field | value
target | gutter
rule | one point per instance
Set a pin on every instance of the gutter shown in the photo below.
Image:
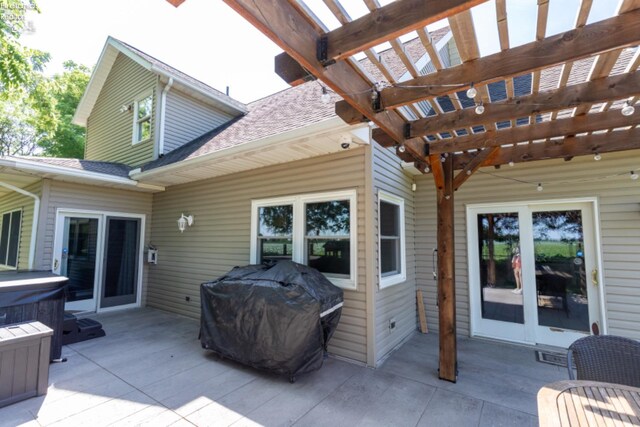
(82, 175)
(36, 217)
(163, 105)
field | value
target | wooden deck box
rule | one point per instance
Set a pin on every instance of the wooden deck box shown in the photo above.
(24, 361)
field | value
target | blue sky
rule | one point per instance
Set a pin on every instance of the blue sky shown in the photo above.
(209, 41)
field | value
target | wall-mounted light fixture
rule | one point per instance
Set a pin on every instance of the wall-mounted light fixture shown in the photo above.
(183, 221)
(126, 107)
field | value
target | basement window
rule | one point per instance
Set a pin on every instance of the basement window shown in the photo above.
(391, 232)
(10, 238)
(143, 107)
(313, 229)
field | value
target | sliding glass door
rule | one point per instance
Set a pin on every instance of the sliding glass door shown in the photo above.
(120, 283)
(101, 256)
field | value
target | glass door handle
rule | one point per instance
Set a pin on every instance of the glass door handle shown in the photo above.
(594, 277)
(55, 264)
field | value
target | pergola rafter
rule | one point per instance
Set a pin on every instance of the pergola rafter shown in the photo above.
(557, 120)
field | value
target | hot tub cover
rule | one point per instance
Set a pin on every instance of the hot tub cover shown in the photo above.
(278, 318)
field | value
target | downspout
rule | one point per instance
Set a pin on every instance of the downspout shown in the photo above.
(36, 217)
(163, 104)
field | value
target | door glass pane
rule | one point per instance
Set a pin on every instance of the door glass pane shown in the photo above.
(561, 281)
(500, 267)
(79, 257)
(121, 262)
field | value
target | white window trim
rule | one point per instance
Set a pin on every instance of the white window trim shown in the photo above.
(395, 279)
(297, 234)
(2, 264)
(145, 94)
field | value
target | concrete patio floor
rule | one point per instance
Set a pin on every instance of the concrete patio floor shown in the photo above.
(150, 370)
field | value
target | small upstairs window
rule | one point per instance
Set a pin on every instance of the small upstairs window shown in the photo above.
(143, 107)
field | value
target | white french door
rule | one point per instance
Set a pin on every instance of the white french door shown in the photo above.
(101, 254)
(534, 275)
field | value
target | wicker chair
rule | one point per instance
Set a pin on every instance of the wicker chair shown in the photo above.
(605, 358)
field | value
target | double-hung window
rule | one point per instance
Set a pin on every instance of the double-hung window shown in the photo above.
(392, 247)
(313, 229)
(10, 238)
(143, 107)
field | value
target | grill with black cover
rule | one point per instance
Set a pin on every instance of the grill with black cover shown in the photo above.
(278, 318)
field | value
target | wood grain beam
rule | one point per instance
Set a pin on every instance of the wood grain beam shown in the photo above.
(286, 25)
(559, 149)
(600, 90)
(291, 71)
(448, 359)
(613, 33)
(551, 129)
(388, 22)
(486, 155)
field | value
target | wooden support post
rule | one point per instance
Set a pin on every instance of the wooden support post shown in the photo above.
(446, 276)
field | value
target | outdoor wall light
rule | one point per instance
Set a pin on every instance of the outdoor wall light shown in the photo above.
(125, 108)
(183, 221)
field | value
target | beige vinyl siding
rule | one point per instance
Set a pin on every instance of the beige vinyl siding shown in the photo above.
(220, 236)
(619, 224)
(109, 131)
(187, 118)
(397, 301)
(16, 201)
(63, 195)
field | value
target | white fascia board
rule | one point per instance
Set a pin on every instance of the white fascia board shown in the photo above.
(94, 177)
(334, 123)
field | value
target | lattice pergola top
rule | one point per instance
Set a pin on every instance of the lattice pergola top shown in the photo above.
(556, 96)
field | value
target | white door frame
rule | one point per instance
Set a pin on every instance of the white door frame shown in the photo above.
(527, 333)
(101, 215)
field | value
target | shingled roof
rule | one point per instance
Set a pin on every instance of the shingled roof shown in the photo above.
(287, 110)
(107, 168)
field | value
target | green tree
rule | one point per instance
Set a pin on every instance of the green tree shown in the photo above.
(67, 89)
(15, 60)
(27, 111)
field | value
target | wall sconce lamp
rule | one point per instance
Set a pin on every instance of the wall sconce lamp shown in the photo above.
(126, 107)
(183, 221)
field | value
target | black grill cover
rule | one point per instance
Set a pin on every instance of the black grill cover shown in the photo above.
(278, 318)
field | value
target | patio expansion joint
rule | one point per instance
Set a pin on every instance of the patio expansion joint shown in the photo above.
(78, 352)
(322, 400)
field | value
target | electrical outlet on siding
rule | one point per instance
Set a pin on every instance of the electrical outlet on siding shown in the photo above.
(392, 324)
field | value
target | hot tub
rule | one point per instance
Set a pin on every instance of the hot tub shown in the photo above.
(34, 295)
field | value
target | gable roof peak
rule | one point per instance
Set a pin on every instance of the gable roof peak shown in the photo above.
(113, 47)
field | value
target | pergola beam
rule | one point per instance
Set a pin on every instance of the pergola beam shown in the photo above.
(290, 70)
(559, 149)
(613, 33)
(551, 129)
(600, 90)
(388, 22)
(285, 24)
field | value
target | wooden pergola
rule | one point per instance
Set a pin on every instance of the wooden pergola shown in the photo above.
(570, 120)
